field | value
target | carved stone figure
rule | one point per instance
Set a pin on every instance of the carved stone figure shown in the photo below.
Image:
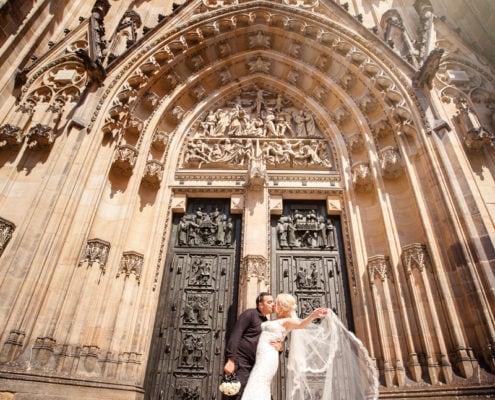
(203, 228)
(229, 228)
(255, 119)
(305, 230)
(330, 234)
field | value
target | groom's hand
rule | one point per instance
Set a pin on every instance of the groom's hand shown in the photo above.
(229, 367)
(277, 345)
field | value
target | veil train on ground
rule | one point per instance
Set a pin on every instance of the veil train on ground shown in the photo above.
(328, 362)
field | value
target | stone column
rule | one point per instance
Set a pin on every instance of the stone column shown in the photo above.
(255, 271)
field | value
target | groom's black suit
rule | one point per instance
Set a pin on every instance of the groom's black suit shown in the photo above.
(242, 344)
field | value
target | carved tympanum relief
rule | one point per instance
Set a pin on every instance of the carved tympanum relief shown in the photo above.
(257, 124)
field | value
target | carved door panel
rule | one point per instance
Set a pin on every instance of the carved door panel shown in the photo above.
(200, 280)
(308, 261)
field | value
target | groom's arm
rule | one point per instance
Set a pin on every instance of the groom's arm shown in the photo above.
(234, 341)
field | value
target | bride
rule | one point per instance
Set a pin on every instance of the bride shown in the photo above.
(313, 354)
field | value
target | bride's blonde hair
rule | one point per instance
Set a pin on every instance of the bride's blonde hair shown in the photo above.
(286, 302)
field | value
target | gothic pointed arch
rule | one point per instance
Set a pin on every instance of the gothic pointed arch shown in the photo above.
(250, 109)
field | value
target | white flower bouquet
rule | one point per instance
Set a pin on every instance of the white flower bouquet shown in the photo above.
(230, 386)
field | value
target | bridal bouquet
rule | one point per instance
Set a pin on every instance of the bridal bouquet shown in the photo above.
(230, 385)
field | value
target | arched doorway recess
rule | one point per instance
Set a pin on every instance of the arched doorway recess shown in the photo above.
(366, 113)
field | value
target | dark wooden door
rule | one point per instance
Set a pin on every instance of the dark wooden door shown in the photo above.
(308, 261)
(197, 304)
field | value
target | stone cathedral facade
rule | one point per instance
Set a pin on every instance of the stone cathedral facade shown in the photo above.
(160, 164)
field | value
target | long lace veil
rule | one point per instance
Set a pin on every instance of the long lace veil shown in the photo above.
(327, 362)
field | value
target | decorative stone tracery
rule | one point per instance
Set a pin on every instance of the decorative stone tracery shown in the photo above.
(131, 263)
(255, 267)
(379, 267)
(96, 251)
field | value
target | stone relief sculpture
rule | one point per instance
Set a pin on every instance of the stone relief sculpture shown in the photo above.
(306, 230)
(205, 229)
(257, 123)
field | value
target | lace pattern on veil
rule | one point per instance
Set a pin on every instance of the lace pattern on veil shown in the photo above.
(326, 361)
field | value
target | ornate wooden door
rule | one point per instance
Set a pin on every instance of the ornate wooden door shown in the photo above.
(197, 303)
(308, 261)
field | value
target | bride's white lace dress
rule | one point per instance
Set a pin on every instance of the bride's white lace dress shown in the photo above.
(326, 362)
(267, 359)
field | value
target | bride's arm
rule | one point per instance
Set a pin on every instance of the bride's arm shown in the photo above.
(292, 323)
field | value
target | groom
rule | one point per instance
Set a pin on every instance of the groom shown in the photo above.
(241, 347)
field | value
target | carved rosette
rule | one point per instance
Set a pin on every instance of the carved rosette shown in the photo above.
(6, 230)
(414, 256)
(259, 64)
(361, 177)
(40, 136)
(391, 163)
(255, 267)
(153, 173)
(379, 268)
(131, 263)
(96, 251)
(125, 159)
(10, 135)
